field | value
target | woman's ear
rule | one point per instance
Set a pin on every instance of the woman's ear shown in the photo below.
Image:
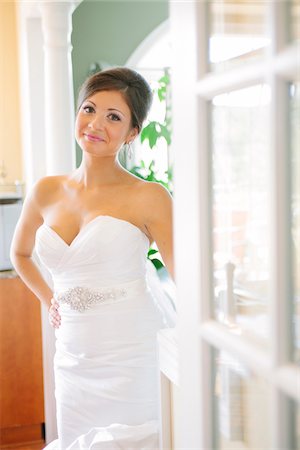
(133, 134)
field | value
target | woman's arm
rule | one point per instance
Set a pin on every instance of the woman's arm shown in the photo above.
(158, 207)
(23, 244)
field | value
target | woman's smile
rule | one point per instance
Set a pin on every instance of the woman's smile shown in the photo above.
(93, 138)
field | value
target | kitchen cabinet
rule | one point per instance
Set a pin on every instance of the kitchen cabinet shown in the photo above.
(21, 366)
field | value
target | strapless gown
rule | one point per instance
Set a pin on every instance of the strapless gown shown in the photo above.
(106, 359)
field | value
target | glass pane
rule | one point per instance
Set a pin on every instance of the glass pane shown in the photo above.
(240, 202)
(294, 93)
(238, 32)
(241, 405)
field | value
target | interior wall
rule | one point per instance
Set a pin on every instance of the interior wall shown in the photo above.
(10, 127)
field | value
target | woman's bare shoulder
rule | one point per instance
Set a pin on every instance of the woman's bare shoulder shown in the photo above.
(50, 181)
(149, 186)
(155, 191)
(153, 196)
(44, 188)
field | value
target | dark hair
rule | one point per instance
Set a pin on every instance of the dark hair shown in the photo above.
(134, 88)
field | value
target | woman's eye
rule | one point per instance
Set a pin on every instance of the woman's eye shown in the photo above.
(114, 117)
(88, 109)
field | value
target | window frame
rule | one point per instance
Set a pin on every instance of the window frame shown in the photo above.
(199, 332)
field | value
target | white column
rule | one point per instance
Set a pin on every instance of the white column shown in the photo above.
(59, 100)
(47, 108)
(56, 20)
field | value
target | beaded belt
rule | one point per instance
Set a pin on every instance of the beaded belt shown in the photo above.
(83, 298)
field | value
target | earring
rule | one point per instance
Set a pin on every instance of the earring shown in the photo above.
(129, 150)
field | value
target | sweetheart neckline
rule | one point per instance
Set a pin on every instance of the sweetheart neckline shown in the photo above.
(90, 222)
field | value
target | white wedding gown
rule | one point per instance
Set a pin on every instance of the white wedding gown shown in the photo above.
(106, 363)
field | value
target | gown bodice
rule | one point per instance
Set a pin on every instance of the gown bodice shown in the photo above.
(106, 251)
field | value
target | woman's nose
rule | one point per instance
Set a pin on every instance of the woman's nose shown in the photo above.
(97, 122)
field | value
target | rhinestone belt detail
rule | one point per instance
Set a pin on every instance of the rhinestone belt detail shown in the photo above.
(82, 298)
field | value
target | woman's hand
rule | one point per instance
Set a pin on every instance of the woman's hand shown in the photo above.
(54, 316)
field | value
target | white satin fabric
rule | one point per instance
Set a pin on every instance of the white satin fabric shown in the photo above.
(106, 365)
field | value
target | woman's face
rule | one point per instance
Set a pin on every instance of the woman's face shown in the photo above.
(103, 123)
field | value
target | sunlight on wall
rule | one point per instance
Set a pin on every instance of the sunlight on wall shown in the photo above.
(10, 136)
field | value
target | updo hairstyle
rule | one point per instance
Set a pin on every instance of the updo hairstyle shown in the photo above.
(134, 88)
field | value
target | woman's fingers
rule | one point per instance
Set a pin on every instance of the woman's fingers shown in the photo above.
(54, 303)
(54, 316)
(55, 320)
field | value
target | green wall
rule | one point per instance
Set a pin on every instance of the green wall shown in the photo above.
(110, 31)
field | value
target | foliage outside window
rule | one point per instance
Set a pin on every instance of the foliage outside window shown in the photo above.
(152, 135)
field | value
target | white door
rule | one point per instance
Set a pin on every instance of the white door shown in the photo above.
(235, 97)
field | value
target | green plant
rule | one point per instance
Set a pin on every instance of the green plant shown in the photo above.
(157, 262)
(154, 131)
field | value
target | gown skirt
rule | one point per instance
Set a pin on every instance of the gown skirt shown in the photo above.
(106, 360)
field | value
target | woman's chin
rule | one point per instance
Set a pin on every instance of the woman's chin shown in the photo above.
(88, 151)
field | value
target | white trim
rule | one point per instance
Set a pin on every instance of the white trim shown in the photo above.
(278, 20)
(247, 75)
(233, 341)
(203, 168)
(252, 355)
(287, 379)
(204, 219)
(147, 43)
(282, 436)
(286, 63)
(165, 418)
(281, 303)
(168, 354)
(194, 370)
(32, 98)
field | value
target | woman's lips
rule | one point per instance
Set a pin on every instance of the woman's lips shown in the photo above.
(92, 138)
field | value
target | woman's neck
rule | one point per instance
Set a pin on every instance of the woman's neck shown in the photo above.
(94, 172)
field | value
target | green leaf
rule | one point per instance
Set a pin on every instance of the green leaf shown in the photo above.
(164, 132)
(151, 165)
(145, 132)
(152, 251)
(150, 133)
(157, 263)
(161, 92)
(164, 79)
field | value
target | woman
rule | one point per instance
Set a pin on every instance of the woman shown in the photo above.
(92, 230)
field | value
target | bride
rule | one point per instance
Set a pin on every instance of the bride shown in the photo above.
(92, 230)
